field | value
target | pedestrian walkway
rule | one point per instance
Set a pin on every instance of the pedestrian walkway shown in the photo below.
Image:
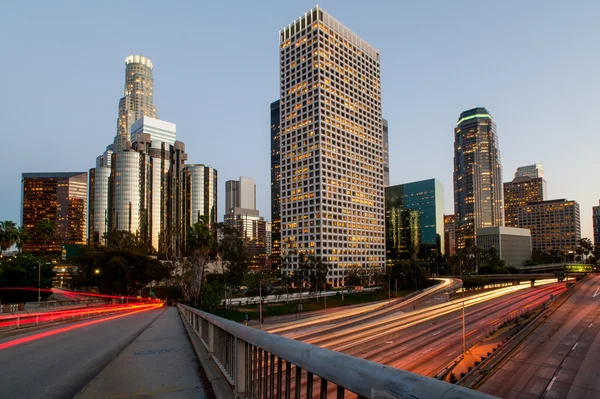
(159, 364)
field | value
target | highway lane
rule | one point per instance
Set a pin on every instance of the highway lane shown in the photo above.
(60, 365)
(561, 358)
(426, 340)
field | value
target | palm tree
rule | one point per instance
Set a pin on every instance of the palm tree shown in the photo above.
(45, 229)
(22, 237)
(8, 235)
(584, 247)
(201, 243)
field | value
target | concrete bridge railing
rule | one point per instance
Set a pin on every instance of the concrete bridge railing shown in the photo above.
(257, 364)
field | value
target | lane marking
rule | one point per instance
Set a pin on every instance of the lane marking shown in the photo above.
(573, 348)
(596, 293)
(590, 325)
(550, 385)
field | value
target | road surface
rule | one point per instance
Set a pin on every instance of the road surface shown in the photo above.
(59, 361)
(561, 358)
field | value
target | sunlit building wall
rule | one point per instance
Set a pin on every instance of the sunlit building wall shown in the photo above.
(332, 167)
(60, 198)
(477, 175)
(555, 225)
(521, 191)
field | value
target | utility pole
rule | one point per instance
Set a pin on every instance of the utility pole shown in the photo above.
(325, 293)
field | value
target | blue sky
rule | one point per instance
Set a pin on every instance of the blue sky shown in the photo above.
(534, 65)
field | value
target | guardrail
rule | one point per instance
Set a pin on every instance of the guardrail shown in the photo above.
(257, 364)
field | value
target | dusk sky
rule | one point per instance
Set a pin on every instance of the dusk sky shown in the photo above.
(533, 64)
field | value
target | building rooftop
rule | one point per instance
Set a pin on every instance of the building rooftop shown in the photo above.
(49, 175)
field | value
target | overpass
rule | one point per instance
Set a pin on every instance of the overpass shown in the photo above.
(532, 277)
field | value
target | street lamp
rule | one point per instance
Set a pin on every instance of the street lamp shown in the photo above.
(97, 271)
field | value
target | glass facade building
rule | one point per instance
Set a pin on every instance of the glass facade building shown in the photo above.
(331, 141)
(275, 186)
(60, 198)
(426, 197)
(478, 200)
(449, 235)
(200, 193)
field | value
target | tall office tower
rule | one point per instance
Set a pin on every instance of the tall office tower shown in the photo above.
(240, 194)
(200, 184)
(402, 233)
(60, 198)
(477, 175)
(253, 232)
(596, 223)
(386, 154)
(332, 203)
(98, 198)
(521, 191)
(275, 187)
(138, 99)
(555, 225)
(534, 171)
(449, 235)
(426, 197)
(268, 242)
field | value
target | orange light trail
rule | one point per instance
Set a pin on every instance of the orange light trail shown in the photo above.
(35, 337)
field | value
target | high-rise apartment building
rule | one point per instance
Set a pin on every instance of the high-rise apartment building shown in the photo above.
(60, 198)
(386, 154)
(275, 186)
(555, 225)
(426, 197)
(521, 191)
(596, 224)
(477, 175)
(331, 146)
(449, 235)
(240, 194)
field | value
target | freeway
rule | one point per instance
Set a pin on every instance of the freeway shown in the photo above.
(560, 358)
(57, 362)
(424, 340)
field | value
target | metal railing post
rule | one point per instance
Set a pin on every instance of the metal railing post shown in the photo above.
(211, 338)
(241, 367)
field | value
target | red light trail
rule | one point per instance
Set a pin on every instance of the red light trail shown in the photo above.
(34, 337)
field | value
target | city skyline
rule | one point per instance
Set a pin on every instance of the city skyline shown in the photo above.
(523, 129)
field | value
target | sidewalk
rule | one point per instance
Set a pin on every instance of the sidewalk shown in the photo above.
(159, 364)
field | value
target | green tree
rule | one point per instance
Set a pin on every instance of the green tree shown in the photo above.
(46, 229)
(22, 237)
(202, 244)
(118, 240)
(22, 272)
(9, 234)
(584, 247)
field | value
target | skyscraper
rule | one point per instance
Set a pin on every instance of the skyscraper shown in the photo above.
(200, 184)
(521, 191)
(386, 154)
(275, 187)
(449, 235)
(477, 175)
(137, 101)
(426, 197)
(596, 224)
(534, 171)
(555, 225)
(240, 194)
(332, 167)
(60, 198)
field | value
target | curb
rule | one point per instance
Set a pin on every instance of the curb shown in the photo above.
(220, 386)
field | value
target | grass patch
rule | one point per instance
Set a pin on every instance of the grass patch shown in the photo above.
(283, 308)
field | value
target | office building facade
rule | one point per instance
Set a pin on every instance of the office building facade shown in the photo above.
(253, 231)
(386, 154)
(200, 184)
(426, 197)
(275, 186)
(555, 225)
(60, 198)
(331, 146)
(596, 224)
(512, 244)
(478, 200)
(521, 191)
(240, 194)
(534, 171)
(449, 235)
